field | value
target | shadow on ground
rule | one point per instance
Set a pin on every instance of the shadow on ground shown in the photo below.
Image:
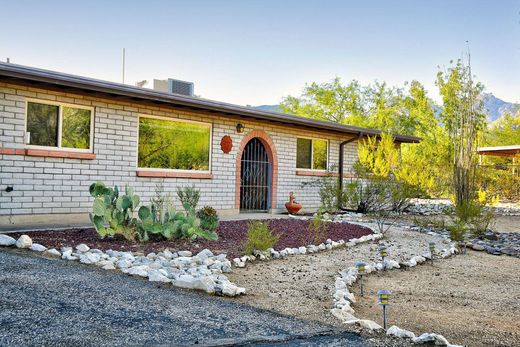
(54, 302)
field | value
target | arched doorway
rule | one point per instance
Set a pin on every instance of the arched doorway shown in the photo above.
(255, 177)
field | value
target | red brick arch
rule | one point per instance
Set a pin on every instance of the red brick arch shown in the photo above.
(273, 159)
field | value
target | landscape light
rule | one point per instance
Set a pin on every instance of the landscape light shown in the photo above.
(384, 253)
(383, 297)
(466, 240)
(431, 245)
(361, 271)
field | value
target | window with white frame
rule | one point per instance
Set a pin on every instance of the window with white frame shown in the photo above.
(311, 154)
(173, 144)
(55, 125)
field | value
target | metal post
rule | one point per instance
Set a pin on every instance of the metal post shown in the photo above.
(361, 284)
(384, 317)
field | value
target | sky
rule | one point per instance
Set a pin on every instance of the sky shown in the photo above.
(256, 52)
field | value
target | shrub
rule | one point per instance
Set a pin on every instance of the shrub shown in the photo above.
(331, 197)
(259, 237)
(466, 211)
(189, 197)
(318, 227)
(457, 231)
(112, 212)
(483, 221)
(208, 218)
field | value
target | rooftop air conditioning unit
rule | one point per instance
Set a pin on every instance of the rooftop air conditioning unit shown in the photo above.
(174, 86)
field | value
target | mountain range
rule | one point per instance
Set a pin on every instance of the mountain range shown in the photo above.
(495, 107)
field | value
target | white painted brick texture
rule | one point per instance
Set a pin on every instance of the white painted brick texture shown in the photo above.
(45, 185)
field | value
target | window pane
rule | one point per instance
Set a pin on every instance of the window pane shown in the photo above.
(303, 153)
(173, 145)
(75, 128)
(42, 124)
(319, 155)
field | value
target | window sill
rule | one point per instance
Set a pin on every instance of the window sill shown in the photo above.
(172, 174)
(316, 173)
(59, 154)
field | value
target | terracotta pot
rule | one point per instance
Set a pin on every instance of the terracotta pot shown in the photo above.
(292, 206)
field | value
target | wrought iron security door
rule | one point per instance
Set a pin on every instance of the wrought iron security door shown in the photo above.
(255, 177)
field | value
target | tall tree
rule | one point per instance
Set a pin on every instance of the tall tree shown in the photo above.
(464, 118)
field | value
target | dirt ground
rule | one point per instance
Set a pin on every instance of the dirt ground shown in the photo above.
(303, 285)
(472, 300)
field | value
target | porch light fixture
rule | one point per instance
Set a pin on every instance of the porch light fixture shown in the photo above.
(240, 128)
(384, 298)
(361, 271)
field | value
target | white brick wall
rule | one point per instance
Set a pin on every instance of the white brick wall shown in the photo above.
(44, 185)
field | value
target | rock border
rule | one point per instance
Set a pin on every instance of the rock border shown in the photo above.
(203, 271)
(271, 253)
(343, 298)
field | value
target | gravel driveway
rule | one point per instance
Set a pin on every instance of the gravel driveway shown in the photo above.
(54, 302)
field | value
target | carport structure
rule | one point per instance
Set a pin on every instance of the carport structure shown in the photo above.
(501, 151)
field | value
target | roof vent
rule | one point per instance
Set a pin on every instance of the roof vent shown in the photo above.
(174, 86)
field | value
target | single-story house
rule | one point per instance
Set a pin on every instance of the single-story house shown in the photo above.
(60, 132)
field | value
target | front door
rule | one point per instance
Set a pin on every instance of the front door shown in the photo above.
(255, 177)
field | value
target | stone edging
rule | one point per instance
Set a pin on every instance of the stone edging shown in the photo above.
(344, 298)
(203, 271)
(328, 245)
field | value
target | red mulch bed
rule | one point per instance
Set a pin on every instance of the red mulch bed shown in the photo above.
(232, 236)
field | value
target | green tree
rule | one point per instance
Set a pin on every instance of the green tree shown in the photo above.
(464, 118)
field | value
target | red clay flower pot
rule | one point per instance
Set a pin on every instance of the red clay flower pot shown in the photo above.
(292, 206)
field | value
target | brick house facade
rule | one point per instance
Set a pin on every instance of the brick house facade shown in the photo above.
(39, 185)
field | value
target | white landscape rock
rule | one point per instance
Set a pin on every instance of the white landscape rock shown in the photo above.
(184, 254)
(157, 276)
(24, 242)
(36, 247)
(83, 248)
(67, 255)
(437, 339)
(343, 315)
(140, 270)
(53, 252)
(109, 266)
(369, 324)
(398, 332)
(6, 241)
(89, 258)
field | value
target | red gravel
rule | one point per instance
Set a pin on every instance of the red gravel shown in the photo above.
(232, 236)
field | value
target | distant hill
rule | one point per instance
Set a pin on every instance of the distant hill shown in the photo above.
(494, 107)
(497, 108)
(268, 108)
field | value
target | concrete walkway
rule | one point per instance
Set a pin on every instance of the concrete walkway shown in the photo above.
(58, 225)
(55, 302)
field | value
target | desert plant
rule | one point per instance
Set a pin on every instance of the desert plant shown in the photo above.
(161, 200)
(259, 237)
(112, 212)
(483, 221)
(457, 231)
(171, 224)
(318, 227)
(189, 198)
(331, 197)
(208, 218)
